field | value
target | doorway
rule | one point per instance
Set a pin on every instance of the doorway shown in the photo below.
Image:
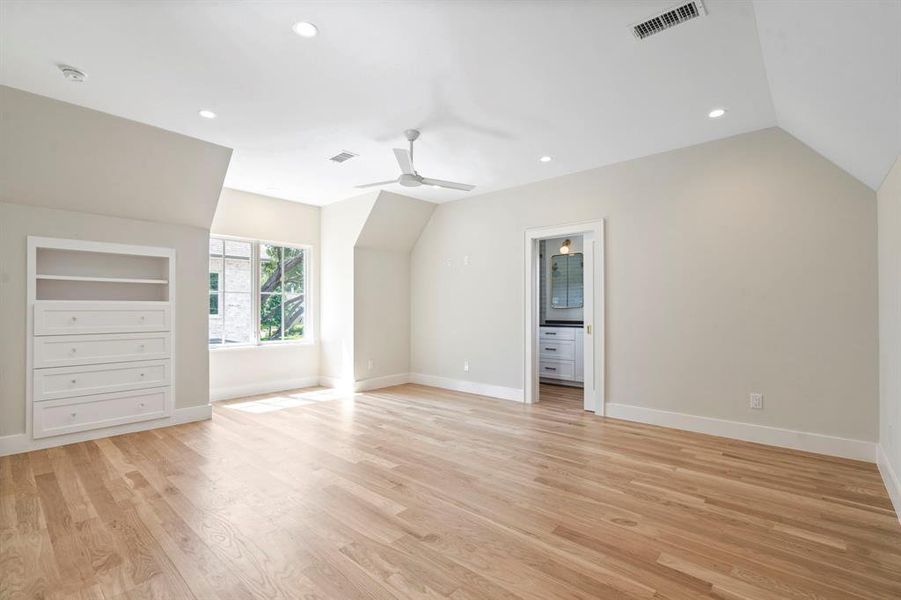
(564, 316)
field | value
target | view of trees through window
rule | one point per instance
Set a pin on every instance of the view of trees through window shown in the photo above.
(242, 271)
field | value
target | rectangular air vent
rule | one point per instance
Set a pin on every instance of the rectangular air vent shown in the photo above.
(669, 18)
(342, 156)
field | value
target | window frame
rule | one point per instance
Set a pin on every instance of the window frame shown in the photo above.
(308, 337)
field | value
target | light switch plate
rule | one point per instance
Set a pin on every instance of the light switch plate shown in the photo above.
(756, 401)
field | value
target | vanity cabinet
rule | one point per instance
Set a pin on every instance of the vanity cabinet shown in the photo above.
(561, 354)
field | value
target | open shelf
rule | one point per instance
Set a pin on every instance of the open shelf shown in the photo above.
(101, 279)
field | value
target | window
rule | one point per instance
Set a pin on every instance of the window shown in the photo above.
(257, 292)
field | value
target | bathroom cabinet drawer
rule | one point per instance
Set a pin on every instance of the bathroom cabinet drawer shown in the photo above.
(555, 369)
(556, 350)
(557, 333)
(66, 382)
(71, 350)
(63, 317)
(56, 417)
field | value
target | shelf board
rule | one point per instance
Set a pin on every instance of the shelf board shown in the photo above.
(100, 279)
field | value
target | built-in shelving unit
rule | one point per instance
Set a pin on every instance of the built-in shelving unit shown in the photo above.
(100, 335)
(100, 279)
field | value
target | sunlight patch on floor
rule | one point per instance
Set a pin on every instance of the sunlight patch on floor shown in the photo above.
(274, 403)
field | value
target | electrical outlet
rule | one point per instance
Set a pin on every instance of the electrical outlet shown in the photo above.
(369, 364)
(466, 261)
(466, 365)
(756, 401)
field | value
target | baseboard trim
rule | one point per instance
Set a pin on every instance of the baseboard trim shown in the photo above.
(891, 480)
(374, 383)
(262, 387)
(470, 387)
(761, 434)
(22, 442)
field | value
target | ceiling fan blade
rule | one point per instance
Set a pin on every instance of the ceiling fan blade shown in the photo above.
(404, 160)
(376, 184)
(448, 184)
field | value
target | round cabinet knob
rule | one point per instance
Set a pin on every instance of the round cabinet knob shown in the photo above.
(140, 346)
(74, 350)
(73, 382)
(74, 319)
(73, 415)
(142, 374)
(142, 317)
(140, 405)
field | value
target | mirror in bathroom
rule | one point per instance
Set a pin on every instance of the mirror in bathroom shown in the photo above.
(566, 280)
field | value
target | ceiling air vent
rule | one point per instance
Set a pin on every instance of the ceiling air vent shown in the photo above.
(342, 156)
(670, 18)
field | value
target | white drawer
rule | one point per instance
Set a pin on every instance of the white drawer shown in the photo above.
(557, 333)
(557, 350)
(556, 369)
(71, 350)
(67, 382)
(62, 318)
(56, 417)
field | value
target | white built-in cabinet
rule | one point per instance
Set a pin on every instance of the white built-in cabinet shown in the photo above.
(561, 354)
(100, 336)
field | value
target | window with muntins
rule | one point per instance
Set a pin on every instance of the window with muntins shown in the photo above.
(257, 292)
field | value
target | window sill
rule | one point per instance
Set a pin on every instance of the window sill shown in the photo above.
(265, 345)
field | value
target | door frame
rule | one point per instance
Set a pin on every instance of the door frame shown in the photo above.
(594, 305)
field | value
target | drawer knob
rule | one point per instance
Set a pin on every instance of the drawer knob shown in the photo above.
(73, 415)
(142, 317)
(74, 319)
(73, 382)
(551, 349)
(550, 368)
(74, 350)
(140, 405)
(140, 346)
(142, 374)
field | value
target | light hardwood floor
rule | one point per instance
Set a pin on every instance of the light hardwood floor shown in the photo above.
(413, 492)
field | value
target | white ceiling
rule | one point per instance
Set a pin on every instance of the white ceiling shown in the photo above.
(493, 85)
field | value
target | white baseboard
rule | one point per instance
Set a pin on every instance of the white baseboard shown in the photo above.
(262, 387)
(344, 385)
(22, 442)
(470, 387)
(365, 385)
(892, 482)
(773, 436)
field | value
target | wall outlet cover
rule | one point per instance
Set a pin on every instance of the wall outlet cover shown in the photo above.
(466, 365)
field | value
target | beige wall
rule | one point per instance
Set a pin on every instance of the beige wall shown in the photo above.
(890, 317)
(381, 312)
(18, 221)
(60, 155)
(742, 265)
(237, 371)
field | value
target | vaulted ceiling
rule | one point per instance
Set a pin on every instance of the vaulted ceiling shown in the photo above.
(493, 85)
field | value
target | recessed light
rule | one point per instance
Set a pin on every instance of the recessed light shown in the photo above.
(207, 114)
(544, 159)
(716, 113)
(305, 29)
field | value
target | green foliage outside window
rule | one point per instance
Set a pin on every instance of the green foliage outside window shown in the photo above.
(281, 293)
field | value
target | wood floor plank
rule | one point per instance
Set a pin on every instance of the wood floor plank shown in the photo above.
(414, 492)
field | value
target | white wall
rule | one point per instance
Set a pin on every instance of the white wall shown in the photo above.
(18, 221)
(341, 225)
(889, 200)
(742, 265)
(241, 371)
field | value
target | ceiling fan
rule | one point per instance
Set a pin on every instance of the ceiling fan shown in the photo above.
(409, 177)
